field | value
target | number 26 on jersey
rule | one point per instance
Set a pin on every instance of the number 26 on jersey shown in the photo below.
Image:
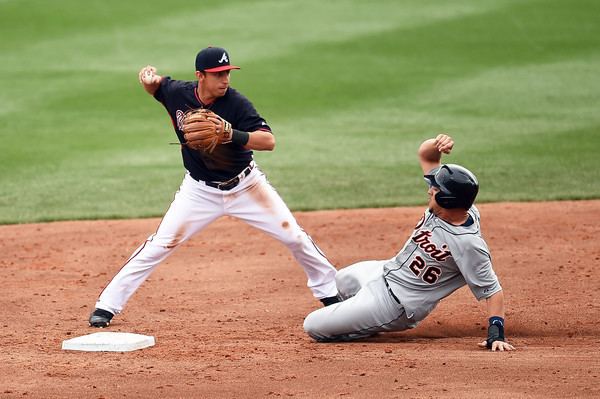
(429, 274)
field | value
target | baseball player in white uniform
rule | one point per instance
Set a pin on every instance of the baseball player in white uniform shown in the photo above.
(445, 252)
(225, 181)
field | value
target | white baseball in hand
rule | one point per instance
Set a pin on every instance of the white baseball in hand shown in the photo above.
(147, 76)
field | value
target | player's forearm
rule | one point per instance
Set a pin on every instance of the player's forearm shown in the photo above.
(430, 151)
(260, 140)
(495, 305)
(429, 156)
(152, 87)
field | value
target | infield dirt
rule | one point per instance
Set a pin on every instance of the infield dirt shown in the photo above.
(227, 310)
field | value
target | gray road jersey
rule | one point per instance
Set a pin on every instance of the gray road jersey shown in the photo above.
(438, 259)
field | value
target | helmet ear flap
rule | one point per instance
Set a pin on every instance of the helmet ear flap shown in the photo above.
(445, 200)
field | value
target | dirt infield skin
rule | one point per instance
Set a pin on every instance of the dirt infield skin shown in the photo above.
(228, 324)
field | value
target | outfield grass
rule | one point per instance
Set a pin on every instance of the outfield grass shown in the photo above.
(351, 88)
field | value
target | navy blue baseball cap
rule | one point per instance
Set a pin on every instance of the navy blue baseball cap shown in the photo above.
(213, 59)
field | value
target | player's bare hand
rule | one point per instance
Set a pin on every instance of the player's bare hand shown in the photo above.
(499, 346)
(444, 143)
(148, 75)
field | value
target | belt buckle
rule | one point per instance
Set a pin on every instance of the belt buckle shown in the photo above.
(228, 185)
(231, 183)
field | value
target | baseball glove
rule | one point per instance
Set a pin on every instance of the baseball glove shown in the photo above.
(204, 130)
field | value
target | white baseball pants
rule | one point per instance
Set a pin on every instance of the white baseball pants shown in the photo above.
(196, 205)
(368, 307)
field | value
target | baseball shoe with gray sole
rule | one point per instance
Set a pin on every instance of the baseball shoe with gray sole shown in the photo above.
(100, 318)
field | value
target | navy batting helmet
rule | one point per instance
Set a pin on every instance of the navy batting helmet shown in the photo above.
(458, 186)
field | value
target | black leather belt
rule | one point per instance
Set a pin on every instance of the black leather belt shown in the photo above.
(390, 291)
(233, 182)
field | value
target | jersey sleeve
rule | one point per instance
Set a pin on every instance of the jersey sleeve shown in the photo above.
(475, 264)
(167, 86)
(248, 118)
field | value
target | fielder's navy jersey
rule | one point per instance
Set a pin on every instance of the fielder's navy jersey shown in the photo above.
(438, 259)
(227, 160)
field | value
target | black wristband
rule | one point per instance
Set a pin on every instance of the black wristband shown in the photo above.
(495, 331)
(240, 137)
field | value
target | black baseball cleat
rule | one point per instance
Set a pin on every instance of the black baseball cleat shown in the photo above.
(330, 300)
(100, 318)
